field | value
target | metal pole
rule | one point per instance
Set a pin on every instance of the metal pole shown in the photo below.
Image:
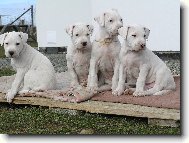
(19, 16)
(0, 20)
(32, 15)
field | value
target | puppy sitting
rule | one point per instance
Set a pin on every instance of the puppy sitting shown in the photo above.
(104, 63)
(34, 70)
(135, 55)
(79, 53)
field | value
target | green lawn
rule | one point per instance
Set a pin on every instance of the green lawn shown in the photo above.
(6, 72)
(38, 120)
(2, 53)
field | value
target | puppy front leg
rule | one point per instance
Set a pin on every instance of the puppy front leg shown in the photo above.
(141, 79)
(115, 77)
(15, 85)
(92, 78)
(121, 83)
(74, 78)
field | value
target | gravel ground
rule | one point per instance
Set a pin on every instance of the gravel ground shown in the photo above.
(5, 63)
(59, 62)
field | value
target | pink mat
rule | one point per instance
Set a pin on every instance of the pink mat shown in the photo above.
(170, 100)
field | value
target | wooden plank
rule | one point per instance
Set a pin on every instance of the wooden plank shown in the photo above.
(102, 107)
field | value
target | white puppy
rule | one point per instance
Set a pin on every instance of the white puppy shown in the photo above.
(79, 53)
(34, 71)
(105, 51)
(151, 69)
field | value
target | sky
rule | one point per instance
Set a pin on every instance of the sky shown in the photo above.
(14, 8)
(10, 2)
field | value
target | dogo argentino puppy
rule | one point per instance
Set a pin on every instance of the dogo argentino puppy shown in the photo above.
(151, 69)
(79, 53)
(34, 71)
(104, 63)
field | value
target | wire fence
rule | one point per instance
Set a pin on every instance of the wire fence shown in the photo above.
(9, 15)
(19, 20)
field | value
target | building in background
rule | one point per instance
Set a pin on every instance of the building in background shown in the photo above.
(52, 18)
(161, 17)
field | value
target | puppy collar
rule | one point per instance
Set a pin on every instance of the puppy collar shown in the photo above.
(106, 41)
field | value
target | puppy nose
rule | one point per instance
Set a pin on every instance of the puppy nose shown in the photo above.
(11, 53)
(84, 43)
(143, 46)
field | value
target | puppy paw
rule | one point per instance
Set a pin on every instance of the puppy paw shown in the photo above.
(114, 92)
(118, 92)
(9, 97)
(139, 93)
(135, 93)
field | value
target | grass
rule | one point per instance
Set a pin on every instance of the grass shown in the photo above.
(6, 72)
(37, 120)
(2, 53)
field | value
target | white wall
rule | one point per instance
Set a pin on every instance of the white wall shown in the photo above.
(162, 17)
(52, 16)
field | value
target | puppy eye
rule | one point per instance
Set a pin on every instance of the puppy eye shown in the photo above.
(110, 20)
(121, 20)
(6, 43)
(17, 43)
(134, 35)
(88, 34)
(144, 36)
(77, 35)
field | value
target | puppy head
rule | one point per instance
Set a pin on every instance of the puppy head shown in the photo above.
(13, 43)
(135, 36)
(111, 21)
(80, 35)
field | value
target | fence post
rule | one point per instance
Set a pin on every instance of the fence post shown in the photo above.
(32, 15)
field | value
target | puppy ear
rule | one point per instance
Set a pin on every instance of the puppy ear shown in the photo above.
(100, 19)
(23, 36)
(123, 32)
(2, 38)
(147, 32)
(69, 30)
(90, 27)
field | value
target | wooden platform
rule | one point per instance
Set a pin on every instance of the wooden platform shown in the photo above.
(156, 116)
